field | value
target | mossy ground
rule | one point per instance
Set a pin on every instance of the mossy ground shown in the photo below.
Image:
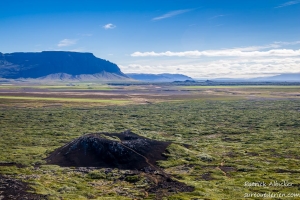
(218, 145)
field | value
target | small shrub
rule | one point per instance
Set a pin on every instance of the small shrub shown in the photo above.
(132, 179)
(66, 189)
(96, 175)
(206, 158)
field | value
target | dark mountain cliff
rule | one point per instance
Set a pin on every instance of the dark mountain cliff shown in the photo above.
(35, 65)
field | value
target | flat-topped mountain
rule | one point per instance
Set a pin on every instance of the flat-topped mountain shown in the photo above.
(52, 64)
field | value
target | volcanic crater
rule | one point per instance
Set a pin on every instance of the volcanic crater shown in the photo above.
(124, 150)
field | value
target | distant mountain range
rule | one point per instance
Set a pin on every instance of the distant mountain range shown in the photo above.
(75, 66)
(289, 77)
(159, 77)
(58, 65)
(281, 78)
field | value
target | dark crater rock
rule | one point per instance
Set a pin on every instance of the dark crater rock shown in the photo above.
(116, 150)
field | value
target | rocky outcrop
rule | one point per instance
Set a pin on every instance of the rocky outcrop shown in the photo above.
(110, 150)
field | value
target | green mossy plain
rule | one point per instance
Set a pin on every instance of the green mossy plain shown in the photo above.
(88, 100)
(218, 145)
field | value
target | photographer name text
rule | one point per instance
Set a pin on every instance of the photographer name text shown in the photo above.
(268, 184)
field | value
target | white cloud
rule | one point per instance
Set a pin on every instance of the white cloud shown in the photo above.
(289, 3)
(233, 52)
(221, 53)
(268, 46)
(109, 26)
(256, 48)
(171, 14)
(66, 42)
(241, 62)
(238, 51)
(225, 68)
(287, 43)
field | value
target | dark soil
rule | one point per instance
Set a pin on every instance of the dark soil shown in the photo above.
(252, 154)
(228, 139)
(227, 169)
(14, 189)
(9, 164)
(207, 176)
(166, 186)
(126, 151)
(286, 171)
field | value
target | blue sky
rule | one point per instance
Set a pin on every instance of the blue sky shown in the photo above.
(199, 38)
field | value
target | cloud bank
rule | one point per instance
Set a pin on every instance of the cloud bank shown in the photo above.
(251, 51)
(242, 62)
(223, 68)
(221, 53)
